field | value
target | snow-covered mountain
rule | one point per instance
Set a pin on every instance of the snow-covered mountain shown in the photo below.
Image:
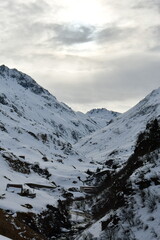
(37, 127)
(69, 175)
(117, 140)
(21, 95)
(126, 204)
(37, 133)
(102, 116)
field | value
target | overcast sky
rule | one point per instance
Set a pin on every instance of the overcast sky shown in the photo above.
(88, 53)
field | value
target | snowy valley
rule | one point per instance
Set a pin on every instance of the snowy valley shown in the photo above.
(70, 175)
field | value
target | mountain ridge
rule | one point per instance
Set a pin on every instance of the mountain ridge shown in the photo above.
(47, 146)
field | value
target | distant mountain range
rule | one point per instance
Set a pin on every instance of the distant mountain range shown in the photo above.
(70, 175)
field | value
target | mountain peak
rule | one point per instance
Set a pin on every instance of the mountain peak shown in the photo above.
(22, 79)
(102, 115)
(101, 110)
(4, 68)
(98, 110)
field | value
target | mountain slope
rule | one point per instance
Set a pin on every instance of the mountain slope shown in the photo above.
(126, 205)
(27, 99)
(36, 152)
(37, 133)
(117, 140)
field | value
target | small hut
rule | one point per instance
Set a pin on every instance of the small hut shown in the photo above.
(21, 190)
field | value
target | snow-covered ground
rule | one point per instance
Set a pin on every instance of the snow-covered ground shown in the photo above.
(4, 238)
(45, 142)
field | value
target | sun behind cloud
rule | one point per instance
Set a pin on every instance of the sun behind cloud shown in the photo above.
(86, 12)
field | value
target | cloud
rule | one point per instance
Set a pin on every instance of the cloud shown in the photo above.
(114, 33)
(17, 16)
(154, 33)
(147, 4)
(19, 8)
(21, 27)
(69, 34)
(132, 78)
